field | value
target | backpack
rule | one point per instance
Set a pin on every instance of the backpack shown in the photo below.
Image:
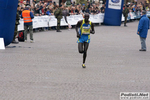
(21, 37)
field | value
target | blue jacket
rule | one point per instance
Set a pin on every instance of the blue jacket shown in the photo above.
(48, 13)
(143, 26)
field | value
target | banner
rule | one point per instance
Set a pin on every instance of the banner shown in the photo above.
(131, 15)
(113, 12)
(148, 14)
(50, 21)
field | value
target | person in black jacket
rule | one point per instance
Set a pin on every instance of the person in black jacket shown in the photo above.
(16, 26)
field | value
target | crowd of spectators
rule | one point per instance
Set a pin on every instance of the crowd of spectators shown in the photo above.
(137, 8)
(40, 7)
(134, 7)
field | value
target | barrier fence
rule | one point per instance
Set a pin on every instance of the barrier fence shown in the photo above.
(50, 21)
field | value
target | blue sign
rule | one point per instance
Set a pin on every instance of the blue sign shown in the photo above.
(113, 12)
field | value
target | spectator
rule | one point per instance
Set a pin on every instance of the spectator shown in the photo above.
(48, 12)
(125, 14)
(51, 10)
(19, 10)
(93, 11)
(98, 10)
(16, 25)
(83, 8)
(88, 5)
(27, 16)
(72, 10)
(103, 9)
(44, 10)
(58, 15)
(21, 1)
(147, 8)
(76, 10)
(143, 30)
(88, 10)
(37, 9)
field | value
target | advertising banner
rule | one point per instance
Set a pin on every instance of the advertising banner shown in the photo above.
(49, 21)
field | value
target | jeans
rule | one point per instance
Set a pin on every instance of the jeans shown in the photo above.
(143, 43)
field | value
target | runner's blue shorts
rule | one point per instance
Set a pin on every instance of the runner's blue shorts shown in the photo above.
(84, 38)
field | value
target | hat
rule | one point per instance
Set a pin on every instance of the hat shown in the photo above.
(83, 4)
(27, 7)
(143, 12)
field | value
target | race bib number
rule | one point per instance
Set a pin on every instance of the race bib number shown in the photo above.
(86, 31)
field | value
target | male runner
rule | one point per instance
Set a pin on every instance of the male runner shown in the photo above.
(83, 34)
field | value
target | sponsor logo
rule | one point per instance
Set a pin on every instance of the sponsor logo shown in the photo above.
(115, 1)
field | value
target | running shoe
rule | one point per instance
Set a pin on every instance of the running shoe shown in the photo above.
(83, 66)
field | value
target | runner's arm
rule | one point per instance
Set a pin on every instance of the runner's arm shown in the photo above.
(77, 26)
(92, 30)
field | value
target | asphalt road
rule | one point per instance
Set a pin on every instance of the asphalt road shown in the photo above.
(50, 68)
